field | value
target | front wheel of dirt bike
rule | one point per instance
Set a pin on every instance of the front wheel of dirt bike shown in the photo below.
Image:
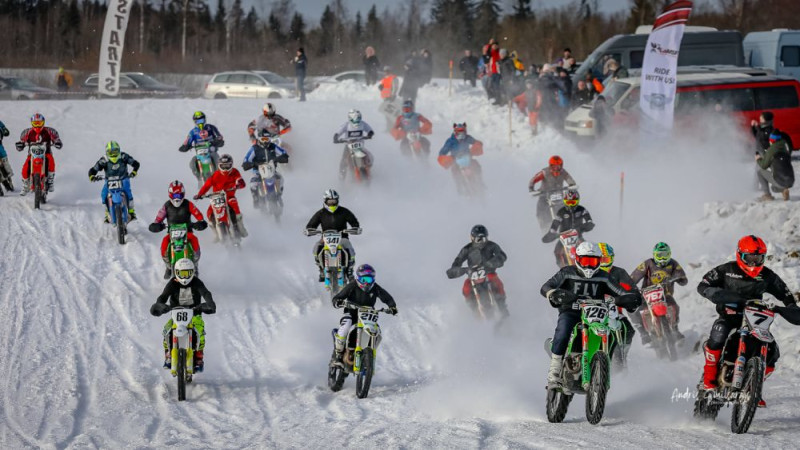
(336, 376)
(744, 408)
(670, 348)
(181, 374)
(333, 278)
(557, 405)
(598, 388)
(120, 224)
(37, 189)
(364, 379)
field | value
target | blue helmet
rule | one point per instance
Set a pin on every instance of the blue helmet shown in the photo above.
(365, 277)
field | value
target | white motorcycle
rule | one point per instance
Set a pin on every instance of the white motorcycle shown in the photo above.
(270, 190)
(361, 349)
(335, 259)
(182, 352)
(359, 161)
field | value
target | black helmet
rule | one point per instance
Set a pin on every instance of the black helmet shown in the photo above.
(478, 234)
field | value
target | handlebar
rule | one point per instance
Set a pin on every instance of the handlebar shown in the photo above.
(350, 305)
(314, 232)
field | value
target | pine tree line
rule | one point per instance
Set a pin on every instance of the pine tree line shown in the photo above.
(49, 33)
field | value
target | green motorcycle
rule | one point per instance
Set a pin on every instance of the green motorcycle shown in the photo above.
(179, 246)
(586, 366)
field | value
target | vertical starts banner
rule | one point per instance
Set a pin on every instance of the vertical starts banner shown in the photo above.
(659, 69)
(111, 46)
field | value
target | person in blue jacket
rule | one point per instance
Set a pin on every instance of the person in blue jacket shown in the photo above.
(4, 164)
(459, 145)
(115, 164)
(202, 132)
(264, 150)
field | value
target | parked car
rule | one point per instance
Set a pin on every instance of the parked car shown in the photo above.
(16, 88)
(249, 84)
(136, 85)
(778, 50)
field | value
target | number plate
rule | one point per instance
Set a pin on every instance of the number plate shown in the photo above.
(595, 313)
(654, 296)
(114, 184)
(759, 319)
(178, 235)
(218, 201)
(266, 170)
(202, 151)
(478, 275)
(368, 316)
(555, 198)
(356, 145)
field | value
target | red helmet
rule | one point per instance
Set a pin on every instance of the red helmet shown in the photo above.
(176, 193)
(460, 130)
(750, 255)
(556, 164)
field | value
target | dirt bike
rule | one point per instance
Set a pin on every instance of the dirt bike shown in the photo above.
(554, 201)
(270, 190)
(741, 369)
(335, 259)
(182, 348)
(179, 246)
(5, 180)
(117, 204)
(359, 161)
(585, 369)
(361, 349)
(415, 144)
(483, 291)
(37, 174)
(659, 319)
(223, 225)
(204, 162)
(568, 242)
(468, 175)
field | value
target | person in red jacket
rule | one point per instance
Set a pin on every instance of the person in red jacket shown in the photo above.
(228, 179)
(38, 133)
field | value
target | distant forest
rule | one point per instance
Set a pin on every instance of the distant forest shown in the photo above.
(185, 36)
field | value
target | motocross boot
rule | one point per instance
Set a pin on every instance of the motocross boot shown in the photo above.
(168, 273)
(26, 186)
(107, 218)
(554, 374)
(131, 211)
(338, 351)
(767, 373)
(198, 361)
(167, 359)
(240, 226)
(711, 367)
(51, 178)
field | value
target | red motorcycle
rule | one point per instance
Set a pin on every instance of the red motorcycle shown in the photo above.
(659, 319)
(37, 174)
(223, 225)
(568, 242)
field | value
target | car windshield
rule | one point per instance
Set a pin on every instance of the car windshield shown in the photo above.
(143, 80)
(274, 78)
(21, 83)
(613, 91)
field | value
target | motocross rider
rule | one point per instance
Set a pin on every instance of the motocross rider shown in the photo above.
(264, 150)
(38, 133)
(571, 216)
(458, 145)
(4, 165)
(276, 124)
(185, 290)
(552, 179)
(353, 130)
(584, 280)
(481, 254)
(333, 217)
(228, 179)
(362, 291)
(115, 164)
(661, 268)
(624, 280)
(178, 211)
(411, 121)
(201, 133)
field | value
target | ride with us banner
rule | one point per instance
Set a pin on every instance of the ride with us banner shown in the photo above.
(111, 46)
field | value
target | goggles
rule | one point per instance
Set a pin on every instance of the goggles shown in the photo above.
(37, 123)
(176, 195)
(571, 202)
(753, 259)
(184, 274)
(591, 262)
(331, 201)
(662, 256)
(200, 121)
(366, 279)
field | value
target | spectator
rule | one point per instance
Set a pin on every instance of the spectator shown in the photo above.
(468, 65)
(63, 80)
(410, 77)
(564, 91)
(601, 116)
(390, 107)
(530, 103)
(487, 50)
(495, 90)
(300, 65)
(611, 65)
(775, 167)
(567, 62)
(762, 128)
(533, 72)
(518, 65)
(483, 75)
(425, 67)
(507, 76)
(549, 110)
(371, 65)
(595, 85)
(583, 95)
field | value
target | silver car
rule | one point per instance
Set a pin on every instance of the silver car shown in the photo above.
(16, 88)
(249, 84)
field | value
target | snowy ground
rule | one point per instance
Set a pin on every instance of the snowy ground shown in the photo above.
(80, 357)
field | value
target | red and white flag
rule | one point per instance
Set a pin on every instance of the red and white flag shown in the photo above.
(659, 69)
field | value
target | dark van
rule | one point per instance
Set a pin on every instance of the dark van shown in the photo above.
(697, 48)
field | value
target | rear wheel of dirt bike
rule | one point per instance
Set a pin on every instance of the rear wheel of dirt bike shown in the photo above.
(744, 408)
(181, 374)
(557, 405)
(671, 350)
(37, 189)
(364, 379)
(598, 388)
(336, 376)
(120, 224)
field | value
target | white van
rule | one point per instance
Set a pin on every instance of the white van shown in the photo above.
(778, 50)
(622, 94)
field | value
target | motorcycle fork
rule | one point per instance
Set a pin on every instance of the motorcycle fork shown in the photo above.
(586, 372)
(358, 350)
(738, 367)
(479, 308)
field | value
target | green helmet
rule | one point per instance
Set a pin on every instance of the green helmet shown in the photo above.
(199, 119)
(112, 151)
(662, 254)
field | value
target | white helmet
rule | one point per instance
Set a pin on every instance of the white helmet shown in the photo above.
(355, 116)
(331, 200)
(269, 109)
(184, 271)
(588, 257)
